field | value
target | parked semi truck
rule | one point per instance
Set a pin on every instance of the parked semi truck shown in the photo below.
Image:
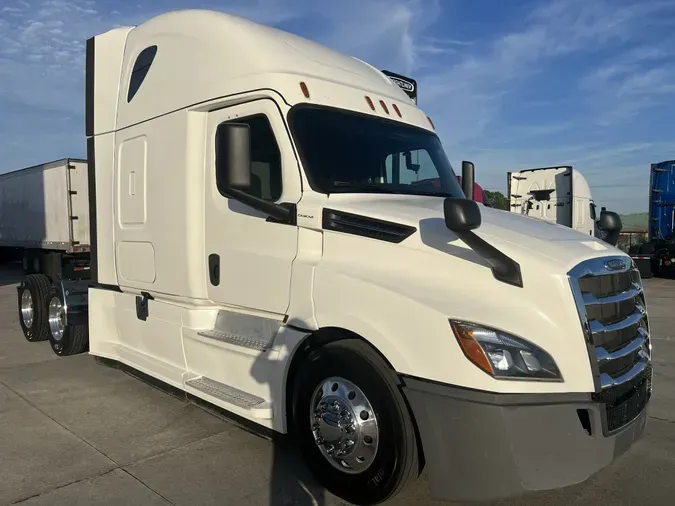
(561, 195)
(657, 255)
(253, 247)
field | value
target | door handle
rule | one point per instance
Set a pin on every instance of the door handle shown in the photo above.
(214, 269)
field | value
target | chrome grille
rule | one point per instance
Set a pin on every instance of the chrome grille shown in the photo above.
(612, 308)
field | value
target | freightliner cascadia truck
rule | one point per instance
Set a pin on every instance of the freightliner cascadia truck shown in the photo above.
(253, 246)
(561, 195)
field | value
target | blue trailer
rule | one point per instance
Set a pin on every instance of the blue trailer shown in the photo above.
(658, 254)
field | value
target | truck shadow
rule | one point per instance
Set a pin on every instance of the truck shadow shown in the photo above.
(433, 233)
(11, 272)
(291, 483)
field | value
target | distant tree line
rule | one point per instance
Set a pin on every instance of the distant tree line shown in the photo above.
(497, 199)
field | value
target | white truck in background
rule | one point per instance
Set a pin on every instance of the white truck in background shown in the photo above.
(261, 241)
(560, 195)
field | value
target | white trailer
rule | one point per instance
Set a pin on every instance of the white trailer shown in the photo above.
(261, 241)
(46, 207)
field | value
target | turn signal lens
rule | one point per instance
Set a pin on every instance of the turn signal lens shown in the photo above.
(471, 348)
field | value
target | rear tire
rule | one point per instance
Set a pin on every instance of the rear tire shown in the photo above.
(383, 457)
(64, 339)
(32, 296)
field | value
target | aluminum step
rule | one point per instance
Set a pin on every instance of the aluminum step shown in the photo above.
(225, 393)
(238, 340)
(248, 331)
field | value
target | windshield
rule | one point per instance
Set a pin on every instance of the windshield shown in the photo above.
(345, 152)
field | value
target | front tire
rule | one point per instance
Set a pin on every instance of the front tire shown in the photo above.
(64, 339)
(352, 424)
(32, 295)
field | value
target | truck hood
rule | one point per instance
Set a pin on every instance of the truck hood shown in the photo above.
(518, 236)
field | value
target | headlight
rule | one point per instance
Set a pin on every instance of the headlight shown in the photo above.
(502, 355)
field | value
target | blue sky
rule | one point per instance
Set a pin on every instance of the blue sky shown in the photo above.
(510, 84)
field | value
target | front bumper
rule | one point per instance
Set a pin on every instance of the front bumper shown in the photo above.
(483, 446)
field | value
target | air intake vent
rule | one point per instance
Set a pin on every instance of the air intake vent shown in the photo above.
(355, 224)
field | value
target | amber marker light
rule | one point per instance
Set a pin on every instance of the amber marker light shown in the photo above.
(471, 348)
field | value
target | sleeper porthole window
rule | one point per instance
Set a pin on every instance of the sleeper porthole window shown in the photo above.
(140, 70)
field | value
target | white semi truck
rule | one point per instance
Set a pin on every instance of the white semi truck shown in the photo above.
(260, 240)
(561, 195)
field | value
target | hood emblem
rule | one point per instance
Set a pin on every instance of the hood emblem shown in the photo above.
(615, 264)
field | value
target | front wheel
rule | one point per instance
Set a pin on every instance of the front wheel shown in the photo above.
(64, 339)
(352, 423)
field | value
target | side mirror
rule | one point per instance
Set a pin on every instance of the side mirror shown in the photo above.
(233, 156)
(610, 221)
(468, 174)
(461, 215)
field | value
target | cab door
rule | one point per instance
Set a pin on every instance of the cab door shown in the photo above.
(250, 255)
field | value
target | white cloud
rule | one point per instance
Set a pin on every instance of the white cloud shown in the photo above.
(474, 87)
(391, 32)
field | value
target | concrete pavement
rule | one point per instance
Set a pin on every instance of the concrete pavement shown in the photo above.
(73, 432)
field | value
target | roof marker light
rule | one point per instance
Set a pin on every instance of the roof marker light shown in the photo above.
(431, 123)
(305, 90)
(384, 106)
(370, 102)
(397, 110)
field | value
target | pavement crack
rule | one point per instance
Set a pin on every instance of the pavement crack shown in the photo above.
(148, 486)
(39, 494)
(661, 419)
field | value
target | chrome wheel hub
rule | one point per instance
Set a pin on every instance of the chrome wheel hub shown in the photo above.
(27, 311)
(57, 318)
(344, 425)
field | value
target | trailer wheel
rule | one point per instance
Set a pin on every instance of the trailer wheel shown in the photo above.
(352, 424)
(32, 293)
(65, 339)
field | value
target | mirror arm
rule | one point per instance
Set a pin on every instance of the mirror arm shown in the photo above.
(504, 268)
(277, 211)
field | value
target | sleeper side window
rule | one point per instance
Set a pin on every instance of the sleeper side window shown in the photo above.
(265, 160)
